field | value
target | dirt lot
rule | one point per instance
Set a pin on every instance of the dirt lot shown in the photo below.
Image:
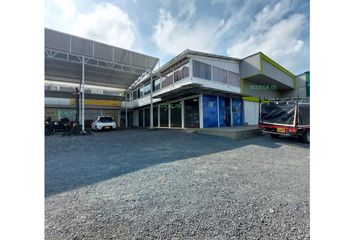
(167, 184)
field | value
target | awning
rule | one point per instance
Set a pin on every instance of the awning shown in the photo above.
(105, 65)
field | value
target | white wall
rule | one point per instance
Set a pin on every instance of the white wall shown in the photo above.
(251, 110)
(268, 94)
(216, 85)
(251, 66)
(57, 101)
(232, 66)
(276, 74)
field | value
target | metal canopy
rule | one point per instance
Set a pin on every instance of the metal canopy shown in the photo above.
(105, 65)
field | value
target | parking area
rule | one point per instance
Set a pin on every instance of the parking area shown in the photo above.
(168, 184)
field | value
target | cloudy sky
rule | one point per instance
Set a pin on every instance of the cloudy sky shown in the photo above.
(164, 28)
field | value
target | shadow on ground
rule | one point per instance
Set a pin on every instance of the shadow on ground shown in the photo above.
(77, 161)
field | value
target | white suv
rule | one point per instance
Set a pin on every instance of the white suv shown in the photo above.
(103, 122)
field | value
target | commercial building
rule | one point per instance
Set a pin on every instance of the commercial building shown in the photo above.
(192, 90)
(201, 90)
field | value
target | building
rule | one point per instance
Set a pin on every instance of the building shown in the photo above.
(192, 90)
(201, 90)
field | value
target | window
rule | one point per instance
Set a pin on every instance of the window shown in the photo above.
(201, 70)
(164, 115)
(141, 92)
(191, 113)
(176, 114)
(233, 79)
(106, 119)
(185, 72)
(223, 76)
(177, 75)
(216, 74)
(168, 81)
(147, 89)
(135, 94)
(156, 85)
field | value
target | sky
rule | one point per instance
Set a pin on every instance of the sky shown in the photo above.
(165, 28)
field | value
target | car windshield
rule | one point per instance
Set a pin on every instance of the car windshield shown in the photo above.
(106, 119)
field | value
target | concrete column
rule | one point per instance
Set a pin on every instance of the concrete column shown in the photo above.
(201, 111)
(126, 110)
(217, 106)
(231, 115)
(182, 113)
(151, 103)
(169, 115)
(158, 115)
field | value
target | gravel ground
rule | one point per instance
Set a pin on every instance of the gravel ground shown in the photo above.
(166, 184)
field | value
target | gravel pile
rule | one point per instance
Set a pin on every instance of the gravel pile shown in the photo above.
(167, 184)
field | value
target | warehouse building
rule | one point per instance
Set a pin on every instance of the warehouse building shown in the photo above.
(201, 90)
(192, 90)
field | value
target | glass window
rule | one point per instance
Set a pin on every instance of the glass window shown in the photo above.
(168, 81)
(216, 74)
(176, 114)
(224, 112)
(135, 94)
(178, 75)
(223, 76)
(156, 84)
(163, 115)
(197, 66)
(185, 72)
(233, 79)
(237, 112)
(141, 92)
(201, 70)
(105, 119)
(147, 89)
(191, 113)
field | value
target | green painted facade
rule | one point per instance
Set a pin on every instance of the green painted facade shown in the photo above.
(307, 84)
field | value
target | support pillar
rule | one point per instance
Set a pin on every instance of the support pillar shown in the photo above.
(83, 95)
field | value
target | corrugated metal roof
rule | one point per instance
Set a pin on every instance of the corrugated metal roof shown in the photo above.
(106, 65)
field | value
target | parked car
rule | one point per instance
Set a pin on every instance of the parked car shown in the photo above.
(103, 123)
(62, 125)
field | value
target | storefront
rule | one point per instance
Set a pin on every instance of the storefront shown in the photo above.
(215, 111)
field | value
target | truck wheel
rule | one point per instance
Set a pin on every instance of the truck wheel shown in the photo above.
(274, 135)
(305, 138)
